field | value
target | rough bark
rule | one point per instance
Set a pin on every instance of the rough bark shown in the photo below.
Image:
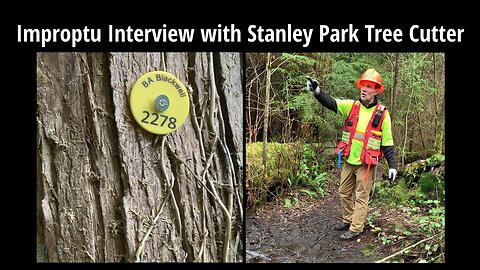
(109, 191)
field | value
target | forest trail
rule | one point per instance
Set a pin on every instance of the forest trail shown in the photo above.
(304, 234)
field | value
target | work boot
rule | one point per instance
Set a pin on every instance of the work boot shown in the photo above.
(341, 226)
(349, 235)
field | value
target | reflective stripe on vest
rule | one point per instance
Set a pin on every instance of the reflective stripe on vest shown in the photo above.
(359, 135)
(374, 138)
(345, 136)
(373, 143)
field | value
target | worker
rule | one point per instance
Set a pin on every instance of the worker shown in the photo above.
(366, 135)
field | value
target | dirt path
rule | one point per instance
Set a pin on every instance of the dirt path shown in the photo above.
(304, 234)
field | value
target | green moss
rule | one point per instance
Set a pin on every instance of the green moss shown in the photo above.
(428, 182)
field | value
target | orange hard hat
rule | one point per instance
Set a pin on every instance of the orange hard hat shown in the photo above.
(373, 76)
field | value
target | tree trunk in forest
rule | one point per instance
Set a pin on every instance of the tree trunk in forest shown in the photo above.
(287, 128)
(266, 110)
(439, 115)
(395, 84)
(410, 140)
(440, 129)
(109, 191)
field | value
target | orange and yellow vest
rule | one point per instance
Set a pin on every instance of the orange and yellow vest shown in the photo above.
(372, 138)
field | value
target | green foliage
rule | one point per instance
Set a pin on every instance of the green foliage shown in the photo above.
(310, 193)
(370, 223)
(429, 186)
(435, 221)
(423, 204)
(296, 70)
(432, 225)
(288, 202)
(296, 202)
(420, 90)
(293, 166)
(389, 194)
(413, 171)
(369, 250)
(427, 222)
(428, 183)
(435, 160)
(261, 178)
(310, 172)
(385, 240)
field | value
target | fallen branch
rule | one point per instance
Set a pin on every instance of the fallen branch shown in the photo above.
(407, 248)
(441, 254)
(316, 241)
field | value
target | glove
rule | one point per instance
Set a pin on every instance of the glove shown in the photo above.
(312, 85)
(392, 173)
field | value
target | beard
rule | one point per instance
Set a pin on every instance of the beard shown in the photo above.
(365, 100)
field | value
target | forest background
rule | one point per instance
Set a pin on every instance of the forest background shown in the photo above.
(291, 138)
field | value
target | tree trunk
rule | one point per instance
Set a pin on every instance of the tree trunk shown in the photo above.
(439, 115)
(440, 129)
(108, 190)
(393, 93)
(266, 111)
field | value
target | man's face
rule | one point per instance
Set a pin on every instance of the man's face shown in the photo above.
(368, 92)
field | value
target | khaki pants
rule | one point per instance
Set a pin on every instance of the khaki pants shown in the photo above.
(352, 181)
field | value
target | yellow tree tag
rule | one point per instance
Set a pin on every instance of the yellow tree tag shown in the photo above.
(159, 102)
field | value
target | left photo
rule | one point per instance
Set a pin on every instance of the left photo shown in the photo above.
(139, 157)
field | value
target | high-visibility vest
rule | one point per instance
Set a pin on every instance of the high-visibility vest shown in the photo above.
(372, 138)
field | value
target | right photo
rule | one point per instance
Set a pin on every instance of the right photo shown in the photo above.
(345, 157)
